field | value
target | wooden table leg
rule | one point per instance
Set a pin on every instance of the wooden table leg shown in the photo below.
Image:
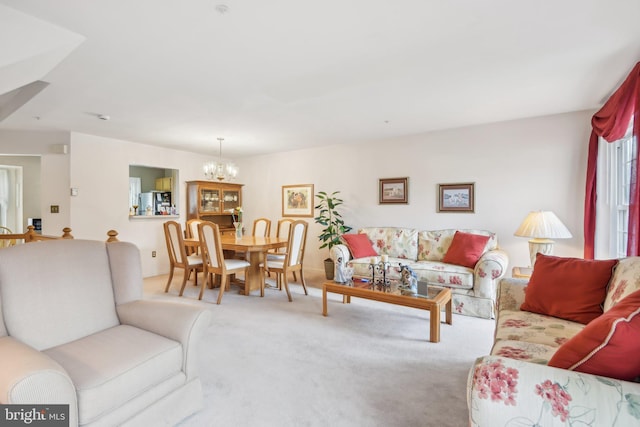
(449, 311)
(252, 279)
(324, 300)
(434, 319)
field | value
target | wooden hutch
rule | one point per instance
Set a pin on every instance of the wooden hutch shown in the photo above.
(213, 201)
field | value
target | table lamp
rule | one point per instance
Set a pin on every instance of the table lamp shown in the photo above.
(542, 227)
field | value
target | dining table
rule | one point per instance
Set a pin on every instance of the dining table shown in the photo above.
(255, 247)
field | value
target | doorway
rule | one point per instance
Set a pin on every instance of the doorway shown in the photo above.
(11, 184)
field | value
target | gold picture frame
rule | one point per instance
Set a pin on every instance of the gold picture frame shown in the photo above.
(393, 191)
(456, 197)
(297, 200)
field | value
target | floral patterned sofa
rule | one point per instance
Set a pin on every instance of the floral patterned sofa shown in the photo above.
(473, 288)
(514, 386)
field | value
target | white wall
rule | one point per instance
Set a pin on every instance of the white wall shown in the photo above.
(100, 171)
(54, 173)
(517, 167)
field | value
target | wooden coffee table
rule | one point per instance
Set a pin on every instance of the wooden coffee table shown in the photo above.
(434, 302)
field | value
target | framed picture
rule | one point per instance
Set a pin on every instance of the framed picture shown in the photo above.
(297, 200)
(393, 190)
(456, 197)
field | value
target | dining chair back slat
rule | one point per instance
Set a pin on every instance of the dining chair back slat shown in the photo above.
(297, 237)
(261, 227)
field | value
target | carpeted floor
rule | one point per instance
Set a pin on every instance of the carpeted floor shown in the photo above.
(270, 362)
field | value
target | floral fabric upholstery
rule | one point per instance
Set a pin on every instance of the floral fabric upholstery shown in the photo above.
(433, 245)
(509, 392)
(441, 274)
(395, 242)
(625, 281)
(515, 387)
(534, 328)
(514, 324)
(473, 290)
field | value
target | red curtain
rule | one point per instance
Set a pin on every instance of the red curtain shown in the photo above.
(611, 123)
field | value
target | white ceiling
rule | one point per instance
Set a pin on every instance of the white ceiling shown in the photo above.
(287, 74)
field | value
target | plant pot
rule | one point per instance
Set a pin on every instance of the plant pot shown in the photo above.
(329, 268)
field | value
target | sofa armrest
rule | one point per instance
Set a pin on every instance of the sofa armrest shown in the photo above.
(502, 391)
(511, 293)
(489, 269)
(28, 376)
(180, 322)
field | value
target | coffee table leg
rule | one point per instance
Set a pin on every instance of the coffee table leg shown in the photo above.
(434, 318)
(448, 311)
(324, 301)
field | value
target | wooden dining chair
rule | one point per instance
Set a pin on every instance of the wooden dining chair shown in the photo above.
(293, 258)
(5, 243)
(282, 231)
(178, 257)
(213, 260)
(192, 233)
(261, 227)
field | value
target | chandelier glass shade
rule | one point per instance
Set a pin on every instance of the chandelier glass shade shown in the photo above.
(219, 170)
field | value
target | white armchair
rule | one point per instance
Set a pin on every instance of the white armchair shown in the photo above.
(74, 330)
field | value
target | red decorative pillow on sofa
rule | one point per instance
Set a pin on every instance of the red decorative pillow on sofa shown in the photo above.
(359, 245)
(568, 288)
(466, 249)
(607, 346)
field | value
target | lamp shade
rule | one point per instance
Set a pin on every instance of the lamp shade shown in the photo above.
(543, 225)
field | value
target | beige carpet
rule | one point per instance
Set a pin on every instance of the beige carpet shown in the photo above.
(270, 362)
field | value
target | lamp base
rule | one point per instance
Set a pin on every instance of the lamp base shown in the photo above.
(544, 246)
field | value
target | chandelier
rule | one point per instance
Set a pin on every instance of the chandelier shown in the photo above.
(220, 170)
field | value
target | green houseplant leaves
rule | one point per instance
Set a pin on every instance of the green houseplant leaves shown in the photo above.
(330, 218)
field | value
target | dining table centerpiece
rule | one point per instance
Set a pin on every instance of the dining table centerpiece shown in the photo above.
(236, 215)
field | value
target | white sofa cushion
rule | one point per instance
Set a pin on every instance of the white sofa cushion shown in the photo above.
(441, 274)
(111, 367)
(535, 328)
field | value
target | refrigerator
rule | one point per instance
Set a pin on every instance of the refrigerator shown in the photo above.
(155, 203)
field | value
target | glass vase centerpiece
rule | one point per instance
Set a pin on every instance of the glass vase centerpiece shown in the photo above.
(236, 215)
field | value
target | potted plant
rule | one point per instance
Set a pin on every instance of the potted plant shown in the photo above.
(331, 219)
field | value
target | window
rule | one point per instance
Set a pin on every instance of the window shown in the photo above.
(615, 161)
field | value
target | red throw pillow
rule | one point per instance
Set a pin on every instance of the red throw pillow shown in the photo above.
(359, 245)
(568, 288)
(466, 249)
(608, 346)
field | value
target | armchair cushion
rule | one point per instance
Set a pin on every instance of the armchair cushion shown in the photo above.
(111, 367)
(466, 249)
(568, 288)
(359, 245)
(607, 346)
